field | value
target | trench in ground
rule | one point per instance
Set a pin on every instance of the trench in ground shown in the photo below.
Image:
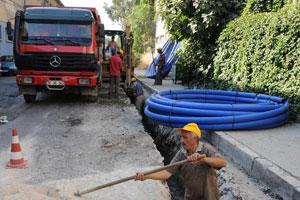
(168, 147)
(166, 143)
(232, 184)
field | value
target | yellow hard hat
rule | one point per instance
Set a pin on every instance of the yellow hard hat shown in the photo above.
(122, 52)
(192, 127)
(133, 79)
(159, 49)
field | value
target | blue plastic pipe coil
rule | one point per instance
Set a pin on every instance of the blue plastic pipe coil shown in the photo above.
(217, 109)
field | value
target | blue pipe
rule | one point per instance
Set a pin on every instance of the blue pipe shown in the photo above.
(231, 118)
(217, 109)
(262, 124)
(212, 106)
(217, 119)
(194, 112)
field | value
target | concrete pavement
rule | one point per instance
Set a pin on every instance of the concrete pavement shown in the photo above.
(270, 156)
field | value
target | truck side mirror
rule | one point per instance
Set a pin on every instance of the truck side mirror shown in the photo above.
(101, 33)
(9, 31)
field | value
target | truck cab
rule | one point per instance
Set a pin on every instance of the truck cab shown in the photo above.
(58, 48)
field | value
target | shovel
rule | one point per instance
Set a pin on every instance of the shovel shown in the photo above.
(79, 194)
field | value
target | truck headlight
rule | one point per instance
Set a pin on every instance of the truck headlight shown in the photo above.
(84, 81)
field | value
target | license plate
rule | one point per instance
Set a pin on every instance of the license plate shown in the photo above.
(55, 83)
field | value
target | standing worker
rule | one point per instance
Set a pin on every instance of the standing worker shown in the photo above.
(199, 174)
(137, 89)
(160, 65)
(116, 65)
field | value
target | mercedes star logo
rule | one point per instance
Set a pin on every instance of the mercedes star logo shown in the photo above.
(55, 61)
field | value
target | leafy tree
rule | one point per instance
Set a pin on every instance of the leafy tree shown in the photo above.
(140, 14)
(198, 23)
(258, 6)
(120, 10)
(143, 26)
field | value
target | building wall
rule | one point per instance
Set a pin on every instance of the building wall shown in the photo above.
(8, 9)
(161, 35)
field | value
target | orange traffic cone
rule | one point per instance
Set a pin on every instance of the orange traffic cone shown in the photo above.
(16, 157)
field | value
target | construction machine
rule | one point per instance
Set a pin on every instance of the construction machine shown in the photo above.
(124, 40)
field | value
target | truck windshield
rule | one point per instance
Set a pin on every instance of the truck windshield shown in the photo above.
(57, 34)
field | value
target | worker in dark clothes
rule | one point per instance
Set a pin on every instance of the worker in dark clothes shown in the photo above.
(199, 174)
(137, 89)
(160, 65)
(116, 65)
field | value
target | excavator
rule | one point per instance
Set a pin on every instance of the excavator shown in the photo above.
(124, 40)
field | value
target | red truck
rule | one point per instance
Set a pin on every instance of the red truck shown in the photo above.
(58, 48)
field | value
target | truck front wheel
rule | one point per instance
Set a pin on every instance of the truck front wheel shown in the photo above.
(91, 94)
(29, 98)
(91, 98)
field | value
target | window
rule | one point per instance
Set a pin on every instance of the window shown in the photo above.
(0, 33)
(55, 33)
(6, 35)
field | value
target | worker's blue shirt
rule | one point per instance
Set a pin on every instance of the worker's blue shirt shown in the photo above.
(138, 88)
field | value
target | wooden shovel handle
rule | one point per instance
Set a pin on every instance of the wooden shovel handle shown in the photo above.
(133, 177)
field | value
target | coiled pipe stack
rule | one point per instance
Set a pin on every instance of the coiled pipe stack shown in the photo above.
(217, 109)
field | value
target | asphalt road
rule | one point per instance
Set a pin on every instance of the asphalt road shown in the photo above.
(71, 144)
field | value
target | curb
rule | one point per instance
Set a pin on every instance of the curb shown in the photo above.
(256, 166)
(147, 87)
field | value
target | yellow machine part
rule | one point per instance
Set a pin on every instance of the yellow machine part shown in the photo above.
(105, 63)
(105, 68)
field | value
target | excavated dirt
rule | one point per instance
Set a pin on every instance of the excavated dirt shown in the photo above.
(64, 189)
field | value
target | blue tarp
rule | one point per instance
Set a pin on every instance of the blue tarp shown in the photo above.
(169, 49)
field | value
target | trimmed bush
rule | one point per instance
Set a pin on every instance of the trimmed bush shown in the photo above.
(261, 53)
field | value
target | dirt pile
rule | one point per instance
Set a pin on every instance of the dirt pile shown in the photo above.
(34, 192)
(65, 189)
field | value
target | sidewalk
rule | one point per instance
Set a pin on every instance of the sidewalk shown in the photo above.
(270, 156)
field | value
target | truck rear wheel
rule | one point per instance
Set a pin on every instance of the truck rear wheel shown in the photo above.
(29, 98)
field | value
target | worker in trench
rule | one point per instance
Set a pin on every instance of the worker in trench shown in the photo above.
(199, 174)
(137, 90)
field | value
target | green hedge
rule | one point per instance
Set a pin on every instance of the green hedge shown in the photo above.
(261, 53)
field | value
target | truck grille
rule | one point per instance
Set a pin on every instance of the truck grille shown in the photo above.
(69, 62)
